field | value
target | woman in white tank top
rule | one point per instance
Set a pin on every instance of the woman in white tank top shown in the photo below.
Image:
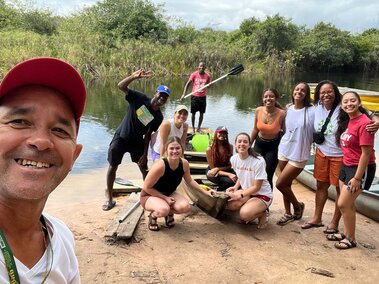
(176, 126)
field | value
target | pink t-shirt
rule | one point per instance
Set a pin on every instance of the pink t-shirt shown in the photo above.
(198, 82)
(353, 138)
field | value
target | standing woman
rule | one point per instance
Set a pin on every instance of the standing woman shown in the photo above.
(255, 195)
(294, 150)
(328, 156)
(218, 154)
(176, 126)
(158, 194)
(358, 169)
(268, 129)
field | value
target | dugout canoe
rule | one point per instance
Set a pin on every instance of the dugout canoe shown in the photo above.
(213, 206)
(367, 202)
(370, 99)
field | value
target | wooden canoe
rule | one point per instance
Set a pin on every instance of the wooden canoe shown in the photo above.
(213, 206)
(367, 202)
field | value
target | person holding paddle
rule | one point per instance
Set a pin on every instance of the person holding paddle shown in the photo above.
(159, 194)
(198, 100)
(41, 102)
(133, 135)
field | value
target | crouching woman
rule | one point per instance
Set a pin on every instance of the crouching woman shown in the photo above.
(159, 194)
(252, 193)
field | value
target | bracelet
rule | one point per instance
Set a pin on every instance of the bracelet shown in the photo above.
(357, 179)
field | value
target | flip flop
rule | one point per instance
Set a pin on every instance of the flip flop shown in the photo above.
(329, 231)
(306, 226)
(108, 205)
(335, 237)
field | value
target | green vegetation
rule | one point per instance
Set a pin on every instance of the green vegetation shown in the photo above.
(115, 37)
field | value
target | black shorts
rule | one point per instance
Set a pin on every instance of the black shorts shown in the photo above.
(348, 172)
(198, 104)
(119, 146)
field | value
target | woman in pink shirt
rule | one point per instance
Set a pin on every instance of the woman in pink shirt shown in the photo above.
(358, 169)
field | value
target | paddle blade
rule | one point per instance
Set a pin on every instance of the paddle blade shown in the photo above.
(236, 70)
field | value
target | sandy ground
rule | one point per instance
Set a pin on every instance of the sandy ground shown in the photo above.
(200, 249)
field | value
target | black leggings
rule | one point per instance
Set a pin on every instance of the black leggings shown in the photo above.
(269, 151)
(223, 182)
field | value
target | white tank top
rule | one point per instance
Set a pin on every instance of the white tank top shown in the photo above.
(174, 131)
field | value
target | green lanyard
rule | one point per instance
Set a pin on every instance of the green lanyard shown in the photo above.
(9, 260)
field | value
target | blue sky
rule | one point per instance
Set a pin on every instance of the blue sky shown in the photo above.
(353, 16)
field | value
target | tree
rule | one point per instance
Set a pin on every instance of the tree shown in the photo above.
(129, 19)
(325, 47)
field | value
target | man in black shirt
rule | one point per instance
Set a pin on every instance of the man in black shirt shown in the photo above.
(133, 135)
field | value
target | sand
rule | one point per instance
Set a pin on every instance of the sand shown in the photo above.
(201, 249)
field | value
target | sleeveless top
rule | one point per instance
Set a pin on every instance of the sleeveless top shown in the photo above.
(174, 131)
(268, 129)
(170, 180)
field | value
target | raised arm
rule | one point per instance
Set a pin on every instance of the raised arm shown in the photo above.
(185, 89)
(124, 83)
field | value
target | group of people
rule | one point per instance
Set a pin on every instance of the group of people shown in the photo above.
(281, 137)
(42, 101)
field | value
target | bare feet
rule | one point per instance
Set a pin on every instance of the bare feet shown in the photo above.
(263, 221)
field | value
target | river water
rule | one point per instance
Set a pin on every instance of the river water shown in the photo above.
(230, 102)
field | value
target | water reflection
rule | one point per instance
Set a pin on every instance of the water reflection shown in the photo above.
(231, 102)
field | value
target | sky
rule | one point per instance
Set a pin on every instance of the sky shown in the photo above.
(354, 16)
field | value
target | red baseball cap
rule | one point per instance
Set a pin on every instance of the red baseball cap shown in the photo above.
(49, 72)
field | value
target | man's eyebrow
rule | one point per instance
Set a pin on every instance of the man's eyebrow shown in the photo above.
(64, 121)
(19, 111)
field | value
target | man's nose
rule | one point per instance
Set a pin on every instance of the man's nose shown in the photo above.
(41, 139)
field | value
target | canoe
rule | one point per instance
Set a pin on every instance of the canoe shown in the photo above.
(367, 202)
(213, 206)
(370, 99)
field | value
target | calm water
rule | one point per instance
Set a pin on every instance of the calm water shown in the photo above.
(230, 102)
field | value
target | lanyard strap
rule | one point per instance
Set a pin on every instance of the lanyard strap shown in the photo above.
(9, 260)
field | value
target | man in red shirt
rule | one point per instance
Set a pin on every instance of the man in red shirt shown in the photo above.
(198, 99)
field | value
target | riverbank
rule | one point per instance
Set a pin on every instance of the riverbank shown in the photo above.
(200, 249)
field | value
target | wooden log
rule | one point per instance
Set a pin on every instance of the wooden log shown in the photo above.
(125, 229)
(124, 189)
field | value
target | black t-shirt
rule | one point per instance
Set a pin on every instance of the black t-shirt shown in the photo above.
(139, 117)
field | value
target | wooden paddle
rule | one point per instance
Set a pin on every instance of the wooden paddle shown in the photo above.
(235, 71)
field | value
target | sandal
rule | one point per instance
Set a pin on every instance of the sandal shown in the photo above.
(153, 223)
(170, 221)
(287, 218)
(346, 243)
(298, 214)
(335, 237)
(108, 205)
(263, 221)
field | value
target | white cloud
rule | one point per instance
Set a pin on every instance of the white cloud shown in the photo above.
(351, 15)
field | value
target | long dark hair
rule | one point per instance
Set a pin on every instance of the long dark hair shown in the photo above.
(343, 117)
(218, 159)
(277, 96)
(307, 99)
(337, 94)
(250, 151)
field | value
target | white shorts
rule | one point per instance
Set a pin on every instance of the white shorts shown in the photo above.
(299, 165)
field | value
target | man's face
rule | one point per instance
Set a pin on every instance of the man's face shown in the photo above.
(38, 142)
(159, 100)
(201, 68)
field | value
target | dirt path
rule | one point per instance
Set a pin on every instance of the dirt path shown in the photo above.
(200, 249)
